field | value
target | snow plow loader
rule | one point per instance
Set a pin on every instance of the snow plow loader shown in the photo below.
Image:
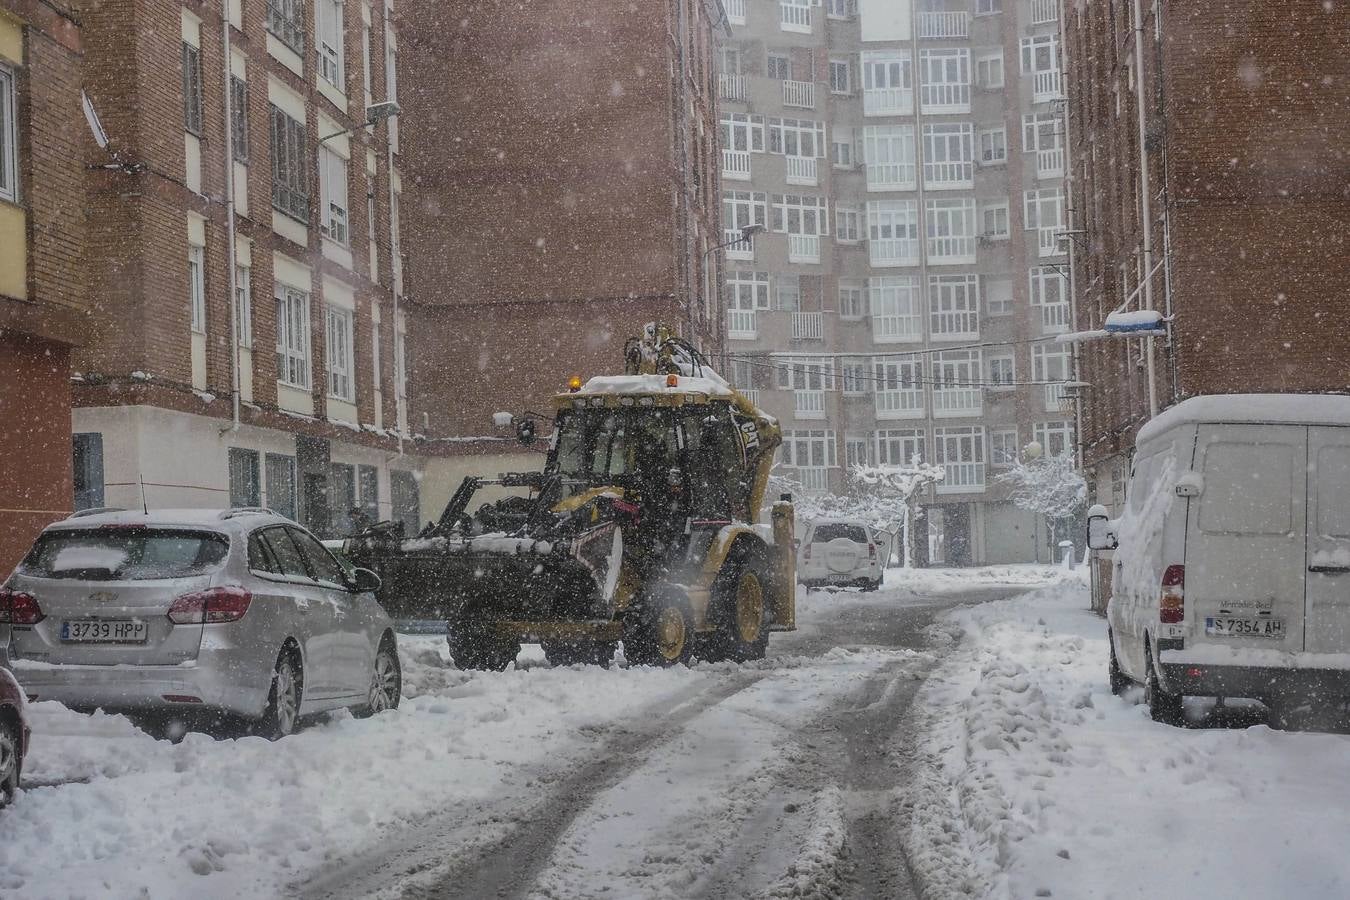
(640, 528)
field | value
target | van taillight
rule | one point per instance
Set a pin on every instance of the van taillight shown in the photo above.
(1172, 602)
(18, 608)
(211, 606)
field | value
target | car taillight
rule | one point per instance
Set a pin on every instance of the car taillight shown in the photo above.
(18, 608)
(1172, 602)
(871, 551)
(211, 606)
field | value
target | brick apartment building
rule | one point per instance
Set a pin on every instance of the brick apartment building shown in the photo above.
(42, 242)
(307, 295)
(908, 160)
(566, 193)
(1246, 109)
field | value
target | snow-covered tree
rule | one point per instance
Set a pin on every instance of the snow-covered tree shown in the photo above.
(1049, 485)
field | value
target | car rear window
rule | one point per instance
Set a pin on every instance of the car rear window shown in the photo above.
(125, 554)
(826, 533)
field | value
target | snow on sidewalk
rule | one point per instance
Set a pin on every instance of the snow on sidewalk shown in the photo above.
(1031, 780)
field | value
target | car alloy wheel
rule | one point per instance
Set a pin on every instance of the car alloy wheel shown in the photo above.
(9, 763)
(386, 683)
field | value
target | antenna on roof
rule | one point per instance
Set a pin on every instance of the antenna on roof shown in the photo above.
(144, 506)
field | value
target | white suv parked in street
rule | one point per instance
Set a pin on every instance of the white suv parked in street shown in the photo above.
(839, 553)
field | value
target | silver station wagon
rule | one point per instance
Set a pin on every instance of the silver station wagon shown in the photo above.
(196, 616)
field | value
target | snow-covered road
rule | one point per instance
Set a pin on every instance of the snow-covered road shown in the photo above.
(1029, 779)
(717, 781)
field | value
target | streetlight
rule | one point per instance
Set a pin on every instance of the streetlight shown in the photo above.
(375, 114)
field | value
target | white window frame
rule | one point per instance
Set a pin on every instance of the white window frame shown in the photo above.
(293, 339)
(852, 300)
(1032, 57)
(949, 155)
(951, 225)
(243, 305)
(986, 65)
(197, 287)
(847, 225)
(339, 343)
(741, 209)
(988, 7)
(895, 305)
(892, 229)
(334, 223)
(787, 293)
(838, 86)
(796, 137)
(1056, 438)
(9, 137)
(857, 450)
(1050, 364)
(994, 220)
(805, 373)
(993, 150)
(1001, 370)
(781, 61)
(900, 446)
(888, 83)
(1042, 131)
(889, 154)
(1004, 448)
(742, 131)
(968, 443)
(998, 301)
(329, 40)
(954, 307)
(800, 214)
(853, 376)
(1043, 208)
(898, 386)
(747, 290)
(841, 149)
(944, 80)
(818, 444)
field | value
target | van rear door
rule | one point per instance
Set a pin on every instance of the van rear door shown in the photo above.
(1327, 628)
(1246, 536)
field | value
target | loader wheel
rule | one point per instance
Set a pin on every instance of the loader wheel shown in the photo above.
(473, 648)
(586, 653)
(662, 632)
(741, 613)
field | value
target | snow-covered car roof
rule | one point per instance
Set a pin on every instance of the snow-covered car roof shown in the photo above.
(1252, 409)
(233, 520)
(654, 384)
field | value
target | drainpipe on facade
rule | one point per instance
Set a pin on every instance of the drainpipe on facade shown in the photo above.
(1145, 198)
(394, 258)
(1069, 183)
(229, 217)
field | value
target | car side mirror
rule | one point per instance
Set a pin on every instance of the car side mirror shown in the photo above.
(1100, 534)
(364, 581)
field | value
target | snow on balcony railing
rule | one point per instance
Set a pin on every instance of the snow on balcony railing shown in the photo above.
(945, 97)
(731, 87)
(808, 326)
(962, 478)
(1045, 86)
(890, 176)
(888, 329)
(741, 325)
(801, 170)
(949, 175)
(1050, 163)
(736, 164)
(815, 479)
(1055, 318)
(951, 249)
(957, 402)
(1042, 11)
(794, 17)
(906, 403)
(804, 248)
(738, 247)
(809, 404)
(735, 11)
(1047, 241)
(801, 94)
(893, 251)
(888, 102)
(940, 25)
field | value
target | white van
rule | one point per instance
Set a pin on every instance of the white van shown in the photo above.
(1231, 575)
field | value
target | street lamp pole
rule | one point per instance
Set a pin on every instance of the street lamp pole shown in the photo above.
(746, 234)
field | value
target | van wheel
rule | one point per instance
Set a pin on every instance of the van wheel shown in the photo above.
(1120, 682)
(1162, 707)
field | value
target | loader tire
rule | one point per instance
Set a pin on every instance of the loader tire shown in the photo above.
(585, 653)
(474, 648)
(660, 631)
(740, 611)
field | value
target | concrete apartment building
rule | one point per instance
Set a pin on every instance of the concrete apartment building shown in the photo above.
(907, 159)
(1231, 190)
(240, 209)
(42, 243)
(567, 193)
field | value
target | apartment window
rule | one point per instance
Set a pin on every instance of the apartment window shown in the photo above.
(1042, 131)
(741, 209)
(366, 65)
(951, 229)
(292, 336)
(994, 220)
(1040, 54)
(328, 28)
(290, 168)
(949, 155)
(333, 195)
(988, 7)
(846, 225)
(954, 306)
(778, 66)
(841, 150)
(945, 81)
(286, 22)
(841, 76)
(747, 290)
(87, 457)
(1050, 365)
(889, 154)
(741, 131)
(852, 301)
(888, 83)
(898, 387)
(797, 137)
(799, 214)
(994, 146)
(9, 137)
(894, 301)
(730, 61)
(280, 472)
(893, 232)
(802, 374)
(841, 9)
(1003, 449)
(989, 70)
(1044, 208)
(245, 486)
(368, 492)
(998, 295)
(853, 376)
(403, 497)
(1049, 286)
(192, 89)
(243, 305)
(1055, 438)
(961, 452)
(1002, 371)
(811, 448)
(341, 497)
(239, 119)
(338, 342)
(899, 446)
(856, 451)
(787, 293)
(197, 287)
